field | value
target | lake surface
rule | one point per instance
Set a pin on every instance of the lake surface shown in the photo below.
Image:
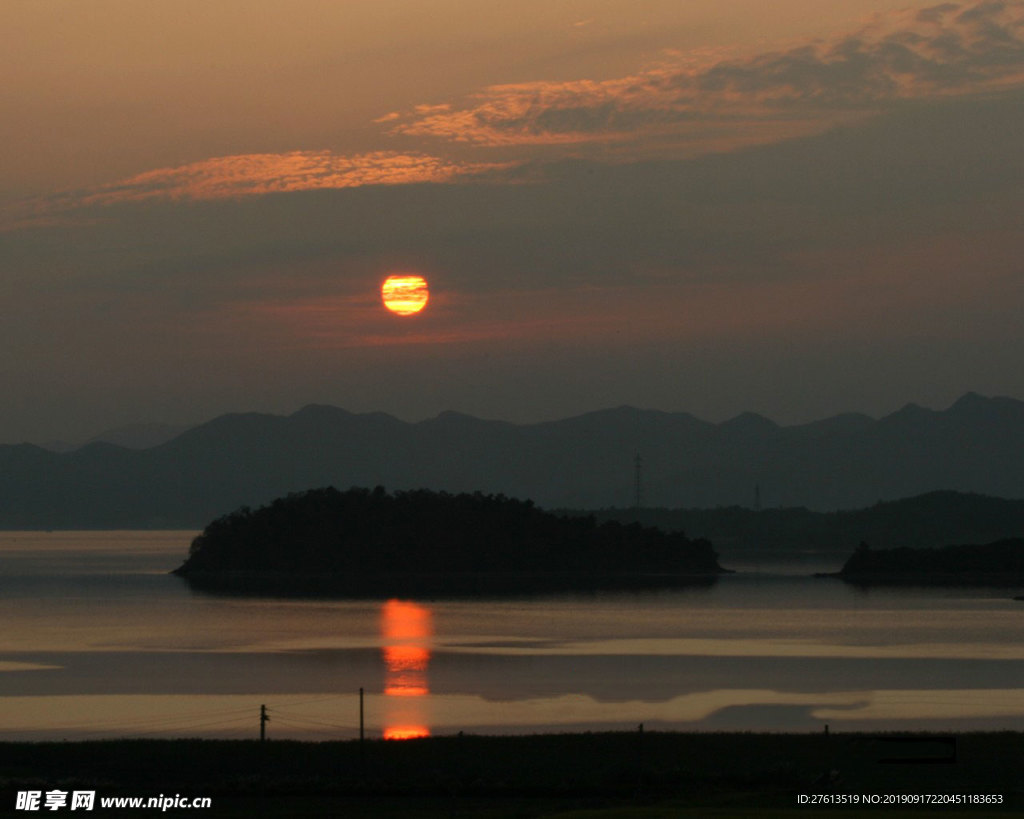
(99, 641)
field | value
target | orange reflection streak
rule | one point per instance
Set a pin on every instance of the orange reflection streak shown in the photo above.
(406, 621)
(407, 667)
(407, 629)
(406, 732)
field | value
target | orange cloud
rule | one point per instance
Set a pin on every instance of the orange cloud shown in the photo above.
(254, 174)
(230, 177)
(945, 50)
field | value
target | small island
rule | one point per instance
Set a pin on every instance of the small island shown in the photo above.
(1000, 563)
(369, 542)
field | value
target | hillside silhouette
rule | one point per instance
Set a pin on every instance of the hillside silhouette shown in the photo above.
(586, 462)
(369, 540)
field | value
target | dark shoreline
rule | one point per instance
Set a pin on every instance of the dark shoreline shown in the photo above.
(525, 775)
(927, 579)
(435, 584)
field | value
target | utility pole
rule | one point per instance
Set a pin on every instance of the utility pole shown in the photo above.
(362, 744)
(264, 719)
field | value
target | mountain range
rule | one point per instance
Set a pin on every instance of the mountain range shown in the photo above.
(585, 462)
(130, 436)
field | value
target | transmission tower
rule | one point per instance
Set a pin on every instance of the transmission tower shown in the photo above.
(638, 486)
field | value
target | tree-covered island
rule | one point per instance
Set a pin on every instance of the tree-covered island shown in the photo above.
(369, 541)
(1000, 563)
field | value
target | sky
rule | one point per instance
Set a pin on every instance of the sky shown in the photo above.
(797, 208)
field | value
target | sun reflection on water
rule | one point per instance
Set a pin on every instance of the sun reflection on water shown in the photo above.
(407, 630)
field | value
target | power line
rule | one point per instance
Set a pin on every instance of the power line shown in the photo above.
(279, 705)
(175, 723)
(152, 722)
(191, 727)
(299, 721)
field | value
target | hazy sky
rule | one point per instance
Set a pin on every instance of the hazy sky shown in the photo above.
(797, 208)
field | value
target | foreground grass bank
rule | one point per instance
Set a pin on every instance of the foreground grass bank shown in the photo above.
(643, 774)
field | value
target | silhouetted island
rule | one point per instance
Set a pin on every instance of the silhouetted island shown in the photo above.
(992, 564)
(370, 542)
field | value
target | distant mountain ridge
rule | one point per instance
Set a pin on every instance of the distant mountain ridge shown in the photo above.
(585, 462)
(130, 436)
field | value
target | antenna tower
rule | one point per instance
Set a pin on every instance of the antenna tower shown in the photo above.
(638, 487)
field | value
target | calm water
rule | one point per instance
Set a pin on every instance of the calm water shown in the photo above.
(100, 641)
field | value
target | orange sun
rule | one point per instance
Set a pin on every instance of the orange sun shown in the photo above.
(404, 294)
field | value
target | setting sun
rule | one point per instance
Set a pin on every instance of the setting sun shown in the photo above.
(405, 294)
